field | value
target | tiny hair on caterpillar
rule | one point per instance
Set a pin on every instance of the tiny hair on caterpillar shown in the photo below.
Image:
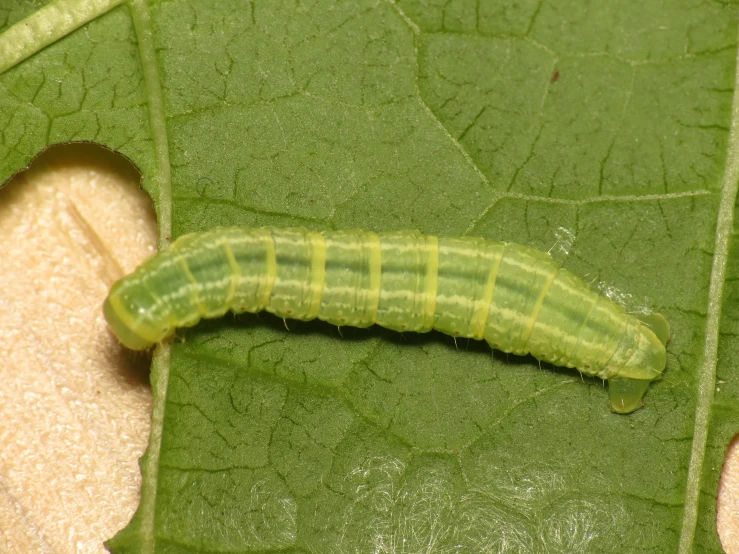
(512, 296)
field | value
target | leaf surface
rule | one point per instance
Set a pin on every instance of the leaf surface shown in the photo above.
(603, 132)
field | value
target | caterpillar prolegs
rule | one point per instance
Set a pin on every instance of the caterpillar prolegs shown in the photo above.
(514, 297)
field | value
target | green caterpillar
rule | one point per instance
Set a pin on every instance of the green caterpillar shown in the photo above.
(514, 297)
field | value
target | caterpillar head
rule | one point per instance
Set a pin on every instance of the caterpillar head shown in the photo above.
(129, 317)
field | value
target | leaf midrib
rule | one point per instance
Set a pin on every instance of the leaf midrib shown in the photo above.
(707, 375)
(160, 366)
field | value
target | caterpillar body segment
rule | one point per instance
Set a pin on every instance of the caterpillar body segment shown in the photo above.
(514, 297)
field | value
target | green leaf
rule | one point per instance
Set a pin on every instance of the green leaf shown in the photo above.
(603, 130)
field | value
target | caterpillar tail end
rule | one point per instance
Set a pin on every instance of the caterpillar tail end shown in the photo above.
(645, 365)
(626, 394)
(123, 332)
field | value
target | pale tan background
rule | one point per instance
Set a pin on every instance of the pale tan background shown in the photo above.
(74, 405)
